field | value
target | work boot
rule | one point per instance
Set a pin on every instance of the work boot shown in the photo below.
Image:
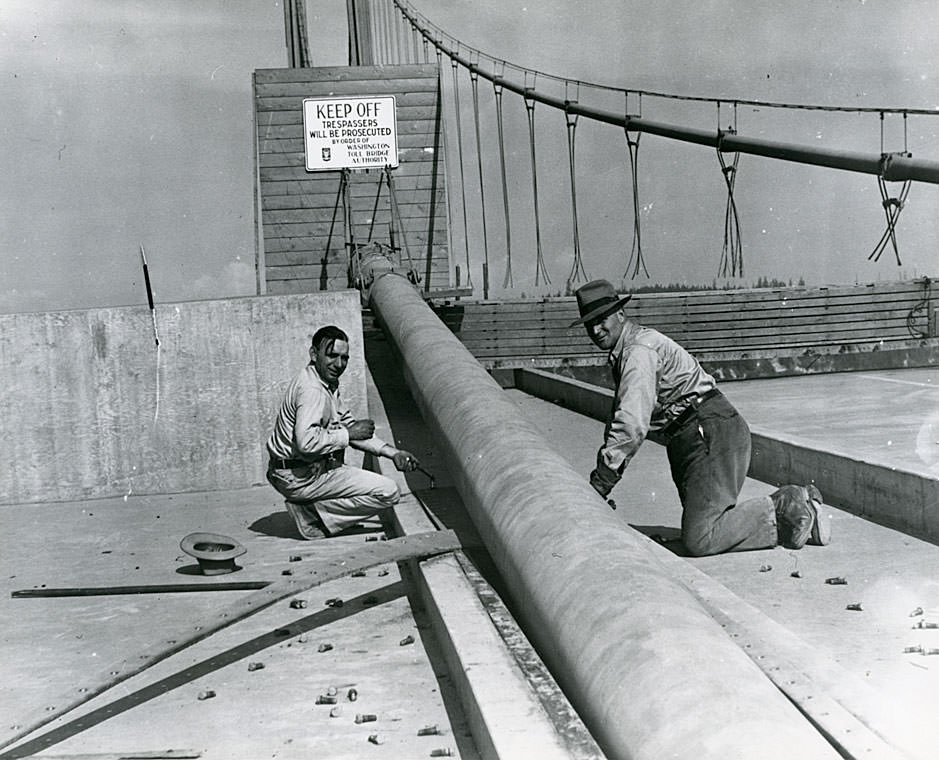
(795, 516)
(821, 528)
(308, 522)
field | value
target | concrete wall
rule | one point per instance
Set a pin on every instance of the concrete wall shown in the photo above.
(90, 407)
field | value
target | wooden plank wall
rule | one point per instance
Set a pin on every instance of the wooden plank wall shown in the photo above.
(301, 212)
(91, 409)
(713, 324)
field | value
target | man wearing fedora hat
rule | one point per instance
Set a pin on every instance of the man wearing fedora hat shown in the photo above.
(662, 389)
(306, 448)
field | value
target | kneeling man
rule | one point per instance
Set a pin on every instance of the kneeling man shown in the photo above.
(660, 387)
(313, 428)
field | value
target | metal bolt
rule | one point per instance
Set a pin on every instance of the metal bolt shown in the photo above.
(205, 694)
(428, 731)
(409, 639)
(252, 666)
(326, 699)
(856, 607)
(324, 647)
(352, 695)
(334, 602)
(836, 581)
(297, 604)
(365, 718)
(375, 739)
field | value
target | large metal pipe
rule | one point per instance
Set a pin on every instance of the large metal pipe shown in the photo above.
(649, 671)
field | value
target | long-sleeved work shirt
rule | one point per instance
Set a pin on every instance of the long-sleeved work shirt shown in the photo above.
(312, 421)
(655, 381)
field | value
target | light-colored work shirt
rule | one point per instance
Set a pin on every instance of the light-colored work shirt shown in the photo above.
(312, 421)
(655, 381)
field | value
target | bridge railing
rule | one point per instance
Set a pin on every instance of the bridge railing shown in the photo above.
(738, 333)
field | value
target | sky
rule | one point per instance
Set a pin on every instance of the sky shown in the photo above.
(129, 123)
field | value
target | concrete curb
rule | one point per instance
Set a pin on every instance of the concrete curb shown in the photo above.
(890, 496)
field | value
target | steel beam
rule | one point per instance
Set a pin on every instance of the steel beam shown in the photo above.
(650, 672)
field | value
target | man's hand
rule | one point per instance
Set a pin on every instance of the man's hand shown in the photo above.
(405, 461)
(603, 479)
(361, 430)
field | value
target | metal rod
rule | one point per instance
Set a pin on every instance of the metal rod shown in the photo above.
(146, 279)
(157, 588)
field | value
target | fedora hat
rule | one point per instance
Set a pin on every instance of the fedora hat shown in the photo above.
(596, 299)
(216, 553)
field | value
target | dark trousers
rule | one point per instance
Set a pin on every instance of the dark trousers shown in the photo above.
(709, 457)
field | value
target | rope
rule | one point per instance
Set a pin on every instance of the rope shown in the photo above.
(413, 274)
(635, 254)
(352, 250)
(507, 282)
(474, 78)
(371, 224)
(922, 306)
(892, 209)
(540, 269)
(459, 142)
(732, 252)
(578, 269)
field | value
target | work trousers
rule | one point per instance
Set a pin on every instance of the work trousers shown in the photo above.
(709, 457)
(341, 497)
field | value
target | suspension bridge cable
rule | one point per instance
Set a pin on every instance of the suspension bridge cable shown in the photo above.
(635, 253)
(507, 282)
(540, 268)
(474, 79)
(578, 269)
(426, 27)
(459, 141)
(896, 169)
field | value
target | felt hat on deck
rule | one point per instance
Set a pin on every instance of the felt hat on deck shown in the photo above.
(596, 300)
(216, 553)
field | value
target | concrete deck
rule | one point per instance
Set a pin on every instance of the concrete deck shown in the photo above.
(890, 574)
(50, 643)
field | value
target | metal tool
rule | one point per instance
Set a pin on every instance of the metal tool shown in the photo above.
(430, 477)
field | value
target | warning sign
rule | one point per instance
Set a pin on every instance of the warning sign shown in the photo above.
(350, 133)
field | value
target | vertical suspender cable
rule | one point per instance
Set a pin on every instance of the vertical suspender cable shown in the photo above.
(540, 269)
(348, 224)
(413, 274)
(459, 142)
(474, 78)
(578, 269)
(507, 282)
(635, 253)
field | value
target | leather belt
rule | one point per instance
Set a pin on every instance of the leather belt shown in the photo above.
(288, 464)
(328, 462)
(672, 427)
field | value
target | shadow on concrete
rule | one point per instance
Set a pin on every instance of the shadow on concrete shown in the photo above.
(670, 538)
(276, 524)
(258, 644)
